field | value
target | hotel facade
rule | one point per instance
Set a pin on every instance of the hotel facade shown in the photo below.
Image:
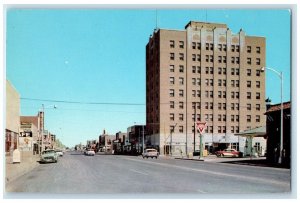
(203, 73)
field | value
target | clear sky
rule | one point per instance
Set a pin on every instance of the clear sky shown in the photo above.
(98, 56)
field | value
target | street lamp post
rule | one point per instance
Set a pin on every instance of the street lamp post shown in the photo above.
(280, 75)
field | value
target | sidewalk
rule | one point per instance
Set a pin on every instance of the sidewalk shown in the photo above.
(15, 170)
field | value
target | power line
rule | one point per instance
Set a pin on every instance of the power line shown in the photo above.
(79, 102)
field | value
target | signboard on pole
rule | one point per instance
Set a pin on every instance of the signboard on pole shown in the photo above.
(201, 126)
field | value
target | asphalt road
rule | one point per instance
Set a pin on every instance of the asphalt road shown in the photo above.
(77, 174)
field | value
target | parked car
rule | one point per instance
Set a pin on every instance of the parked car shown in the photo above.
(228, 153)
(59, 152)
(49, 156)
(150, 153)
(89, 152)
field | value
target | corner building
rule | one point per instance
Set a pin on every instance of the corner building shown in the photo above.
(203, 73)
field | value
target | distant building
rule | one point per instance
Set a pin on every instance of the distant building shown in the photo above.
(135, 136)
(105, 142)
(12, 128)
(273, 133)
(203, 73)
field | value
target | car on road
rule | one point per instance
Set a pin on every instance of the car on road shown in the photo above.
(49, 156)
(150, 153)
(89, 152)
(59, 152)
(228, 153)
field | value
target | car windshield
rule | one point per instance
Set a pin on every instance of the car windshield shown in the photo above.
(48, 152)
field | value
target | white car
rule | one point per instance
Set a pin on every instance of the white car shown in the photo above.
(59, 152)
(150, 153)
(90, 152)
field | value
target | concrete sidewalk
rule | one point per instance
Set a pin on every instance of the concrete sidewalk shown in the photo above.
(15, 170)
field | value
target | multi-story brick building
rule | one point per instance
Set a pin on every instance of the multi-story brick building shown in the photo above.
(203, 73)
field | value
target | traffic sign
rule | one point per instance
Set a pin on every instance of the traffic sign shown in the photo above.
(201, 126)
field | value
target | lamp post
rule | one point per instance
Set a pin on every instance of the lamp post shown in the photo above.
(281, 111)
(43, 124)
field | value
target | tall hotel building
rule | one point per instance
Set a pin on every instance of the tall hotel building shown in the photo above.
(203, 73)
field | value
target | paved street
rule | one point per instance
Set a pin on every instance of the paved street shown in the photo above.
(112, 174)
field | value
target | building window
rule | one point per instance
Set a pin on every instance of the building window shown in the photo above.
(220, 47)
(224, 47)
(224, 71)
(198, 81)
(194, 93)
(219, 129)
(172, 56)
(181, 56)
(207, 58)
(237, 47)
(172, 68)
(206, 46)
(258, 72)
(172, 80)
(172, 104)
(257, 95)
(257, 119)
(198, 93)
(181, 69)
(172, 117)
(248, 72)
(220, 59)
(232, 118)
(232, 129)
(206, 105)
(193, 57)
(237, 83)
(232, 95)
(193, 69)
(248, 83)
(224, 59)
(172, 43)
(237, 106)
(198, 69)
(248, 118)
(258, 107)
(224, 94)
(237, 118)
(194, 81)
(248, 95)
(181, 81)
(198, 57)
(258, 84)
(249, 61)
(219, 71)
(258, 50)
(181, 44)
(219, 94)
(172, 129)
(224, 117)
(181, 117)
(249, 49)
(232, 106)
(219, 106)
(181, 129)
(232, 48)
(219, 82)
(199, 45)
(172, 93)
(181, 105)
(193, 45)
(181, 92)
(237, 71)
(224, 106)
(249, 107)
(232, 71)
(258, 61)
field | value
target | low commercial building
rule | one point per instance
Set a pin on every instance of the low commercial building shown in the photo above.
(273, 134)
(12, 128)
(29, 134)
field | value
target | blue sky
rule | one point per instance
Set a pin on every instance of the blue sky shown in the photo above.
(98, 56)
